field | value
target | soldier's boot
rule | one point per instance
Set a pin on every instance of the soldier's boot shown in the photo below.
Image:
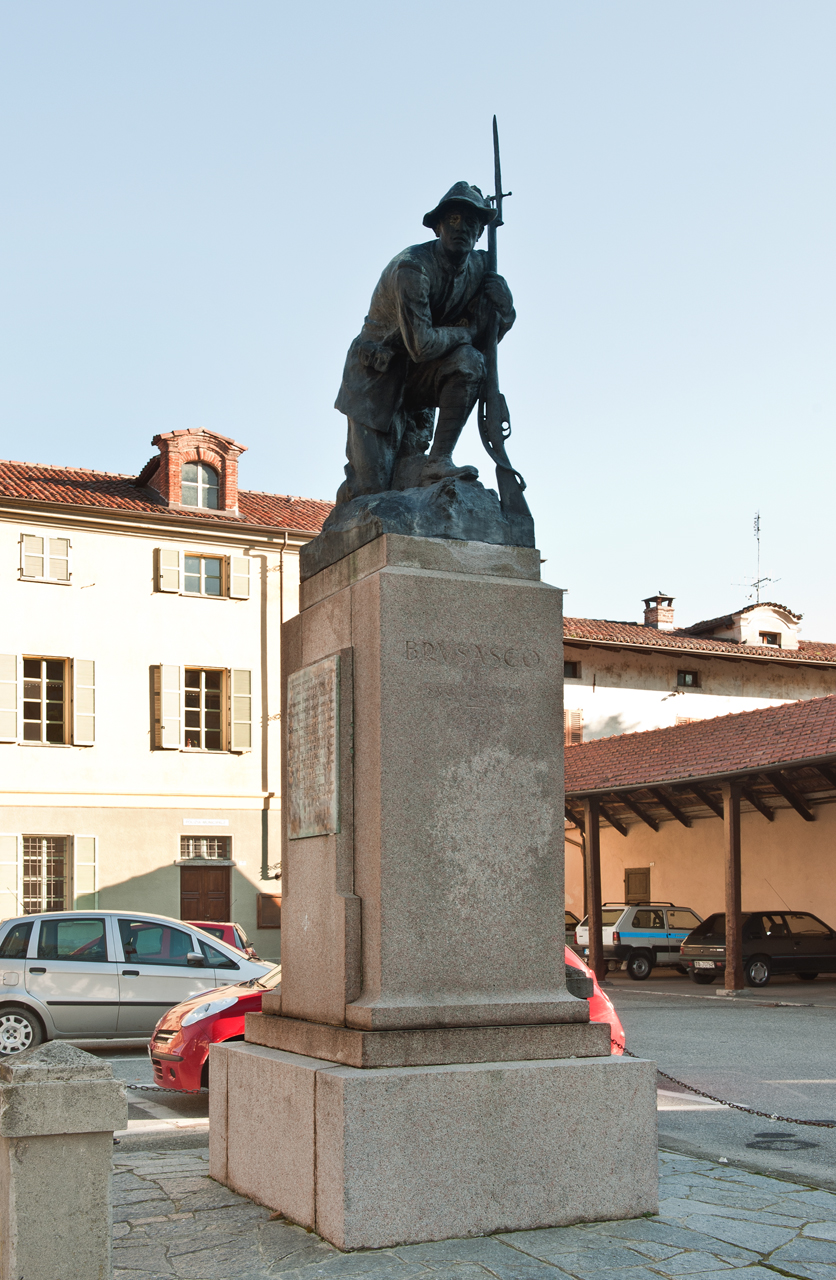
(439, 464)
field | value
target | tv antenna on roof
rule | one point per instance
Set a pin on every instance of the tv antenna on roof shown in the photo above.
(758, 582)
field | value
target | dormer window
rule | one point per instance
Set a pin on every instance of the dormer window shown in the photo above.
(199, 485)
(772, 638)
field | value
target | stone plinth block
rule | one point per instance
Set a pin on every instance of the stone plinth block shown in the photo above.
(429, 891)
(59, 1107)
(429, 1047)
(371, 1159)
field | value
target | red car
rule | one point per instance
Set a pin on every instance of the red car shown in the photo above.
(179, 1047)
(232, 934)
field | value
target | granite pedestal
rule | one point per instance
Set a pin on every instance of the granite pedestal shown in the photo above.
(424, 1070)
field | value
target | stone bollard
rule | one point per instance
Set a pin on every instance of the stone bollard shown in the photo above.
(59, 1107)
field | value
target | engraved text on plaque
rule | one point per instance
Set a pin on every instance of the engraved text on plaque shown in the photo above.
(313, 750)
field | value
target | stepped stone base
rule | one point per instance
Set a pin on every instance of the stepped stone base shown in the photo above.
(434, 1047)
(399, 1155)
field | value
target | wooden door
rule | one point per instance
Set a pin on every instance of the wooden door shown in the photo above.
(637, 884)
(204, 893)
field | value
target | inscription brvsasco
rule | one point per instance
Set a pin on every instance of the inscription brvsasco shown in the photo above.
(313, 750)
(453, 653)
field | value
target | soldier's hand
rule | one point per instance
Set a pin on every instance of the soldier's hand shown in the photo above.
(498, 293)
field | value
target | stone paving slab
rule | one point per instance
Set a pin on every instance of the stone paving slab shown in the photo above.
(716, 1222)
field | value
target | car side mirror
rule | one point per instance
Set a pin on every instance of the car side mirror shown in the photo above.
(195, 959)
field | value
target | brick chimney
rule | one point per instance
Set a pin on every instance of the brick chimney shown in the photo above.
(658, 612)
(177, 448)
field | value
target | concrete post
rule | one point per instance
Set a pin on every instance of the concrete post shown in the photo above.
(59, 1107)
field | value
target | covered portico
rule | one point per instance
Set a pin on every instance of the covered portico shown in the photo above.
(775, 763)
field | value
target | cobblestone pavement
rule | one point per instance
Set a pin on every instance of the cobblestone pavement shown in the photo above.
(172, 1220)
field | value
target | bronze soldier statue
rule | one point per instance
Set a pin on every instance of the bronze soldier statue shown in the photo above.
(421, 349)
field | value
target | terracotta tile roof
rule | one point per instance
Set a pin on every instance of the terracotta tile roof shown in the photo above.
(78, 487)
(633, 635)
(769, 738)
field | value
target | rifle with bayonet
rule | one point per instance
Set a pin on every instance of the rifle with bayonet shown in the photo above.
(494, 419)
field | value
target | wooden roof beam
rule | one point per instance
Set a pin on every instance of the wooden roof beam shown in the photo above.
(672, 808)
(610, 817)
(788, 791)
(757, 803)
(828, 773)
(716, 806)
(639, 811)
(574, 817)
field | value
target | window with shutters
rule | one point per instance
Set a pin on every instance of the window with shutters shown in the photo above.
(191, 573)
(51, 701)
(44, 558)
(45, 874)
(572, 727)
(202, 708)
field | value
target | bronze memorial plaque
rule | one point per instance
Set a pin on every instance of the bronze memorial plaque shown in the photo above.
(313, 750)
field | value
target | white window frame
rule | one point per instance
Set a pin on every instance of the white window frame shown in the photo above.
(200, 484)
(46, 535)
(223, 561)
(67, 682)
(237, 697)
(184, 859)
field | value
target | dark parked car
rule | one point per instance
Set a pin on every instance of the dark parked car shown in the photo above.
(773, 942)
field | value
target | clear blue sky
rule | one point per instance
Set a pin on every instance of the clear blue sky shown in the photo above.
(198, 197)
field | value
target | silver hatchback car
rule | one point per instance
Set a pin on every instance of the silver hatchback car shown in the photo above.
(73, 975)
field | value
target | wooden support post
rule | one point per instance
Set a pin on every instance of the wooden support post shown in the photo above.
(731, 825)
(591, 816)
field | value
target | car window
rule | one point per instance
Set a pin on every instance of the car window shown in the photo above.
(244, 940)
(72, 939)
(753, 929)
(713, 927)
(16, 942)
(681, 918)
(648, 920)
(806, 925)
(150, 942)
(214, 932)
(215, 958)
(775, 926)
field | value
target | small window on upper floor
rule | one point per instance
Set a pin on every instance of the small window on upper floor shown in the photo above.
(571, 671)
(688, 679)
(199, 485)
(771, 638)
(203, 575)
(44, 558)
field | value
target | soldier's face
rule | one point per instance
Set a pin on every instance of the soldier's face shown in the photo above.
(459, 230)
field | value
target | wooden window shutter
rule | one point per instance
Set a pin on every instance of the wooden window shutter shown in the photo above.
(10, 904)
(168, 570)
(84, 702)
(572, 727)
(8, 697)
(239, 577)
(32, 555)
(269, 911)
(85, 881)
(241, 712)
(168, 715)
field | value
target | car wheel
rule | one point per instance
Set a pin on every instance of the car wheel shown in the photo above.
(807, 977)
(19, 1030)
(757, 971)
(639, 965)
(701, 977)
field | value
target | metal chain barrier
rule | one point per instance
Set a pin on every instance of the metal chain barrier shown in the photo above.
(736, 1106)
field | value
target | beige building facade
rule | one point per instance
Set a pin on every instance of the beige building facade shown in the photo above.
(139, 686)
